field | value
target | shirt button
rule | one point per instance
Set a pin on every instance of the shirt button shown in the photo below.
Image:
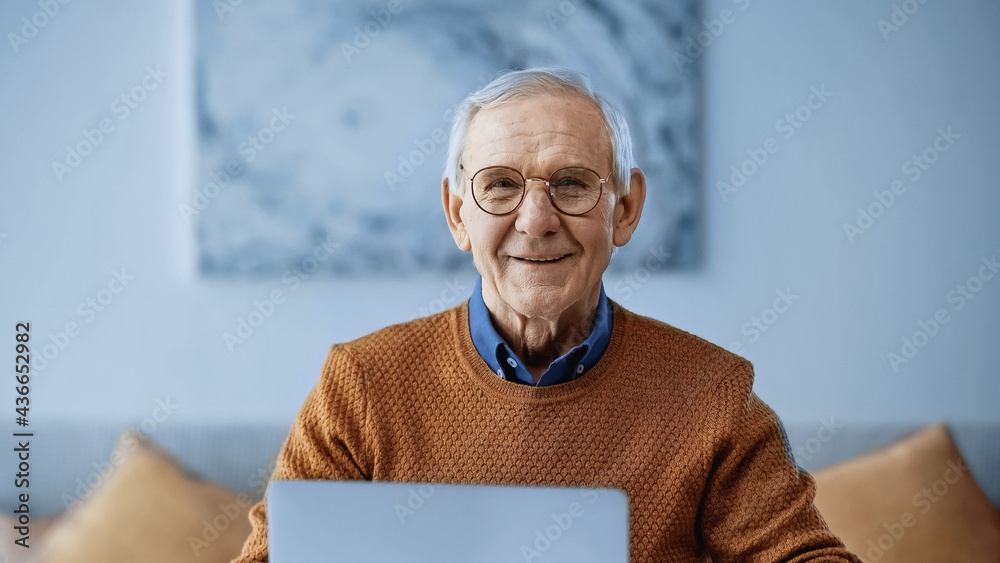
(579, 368)
(511, 362)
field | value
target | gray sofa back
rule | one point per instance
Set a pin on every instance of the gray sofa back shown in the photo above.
(69, 460)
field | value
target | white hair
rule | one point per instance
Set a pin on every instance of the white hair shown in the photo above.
(520, 84)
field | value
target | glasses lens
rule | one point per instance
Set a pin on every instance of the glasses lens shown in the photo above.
(575, 190)
(498, 189)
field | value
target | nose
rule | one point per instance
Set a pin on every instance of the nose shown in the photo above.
(536, 216)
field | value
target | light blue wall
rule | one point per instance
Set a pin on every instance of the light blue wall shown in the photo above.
(825, 356)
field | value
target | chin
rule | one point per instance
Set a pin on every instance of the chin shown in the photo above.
(540, 302)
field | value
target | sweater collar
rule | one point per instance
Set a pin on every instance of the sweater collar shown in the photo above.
(507, 365)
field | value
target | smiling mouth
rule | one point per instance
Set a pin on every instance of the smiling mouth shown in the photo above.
(540, 260)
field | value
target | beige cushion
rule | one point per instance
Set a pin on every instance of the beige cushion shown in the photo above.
(911, 501)
(38, 527)
(147, 510)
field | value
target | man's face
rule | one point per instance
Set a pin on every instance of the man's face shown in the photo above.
(537, 260)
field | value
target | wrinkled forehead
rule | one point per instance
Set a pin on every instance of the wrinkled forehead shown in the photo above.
(544, 131)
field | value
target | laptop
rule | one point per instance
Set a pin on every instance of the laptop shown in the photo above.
(379, 522)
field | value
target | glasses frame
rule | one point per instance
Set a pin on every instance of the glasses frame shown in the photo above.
(548, 184)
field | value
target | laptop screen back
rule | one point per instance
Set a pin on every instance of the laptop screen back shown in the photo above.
(361, 521)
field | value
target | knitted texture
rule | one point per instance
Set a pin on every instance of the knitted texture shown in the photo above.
(665, 416)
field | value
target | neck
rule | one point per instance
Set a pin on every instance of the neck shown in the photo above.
(539, 340)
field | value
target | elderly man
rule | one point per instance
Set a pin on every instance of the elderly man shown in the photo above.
(539, 378)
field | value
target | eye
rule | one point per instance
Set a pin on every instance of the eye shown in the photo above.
(498, 180)
(503, 183)
(568, 182)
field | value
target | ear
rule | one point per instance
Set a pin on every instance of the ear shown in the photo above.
(628, 208)
(453, 213)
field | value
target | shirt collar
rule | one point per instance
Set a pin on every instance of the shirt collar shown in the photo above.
(502, 360)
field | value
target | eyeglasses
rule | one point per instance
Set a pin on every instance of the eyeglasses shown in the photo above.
(499, 190)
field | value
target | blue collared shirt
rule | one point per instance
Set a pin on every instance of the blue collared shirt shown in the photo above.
(505, 363)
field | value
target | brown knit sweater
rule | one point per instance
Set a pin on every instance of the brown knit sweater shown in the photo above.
(669, 418)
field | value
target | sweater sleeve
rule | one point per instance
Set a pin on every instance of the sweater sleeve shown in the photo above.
(328, 440)
(758, 505)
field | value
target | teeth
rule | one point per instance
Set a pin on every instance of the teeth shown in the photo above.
(541, 260)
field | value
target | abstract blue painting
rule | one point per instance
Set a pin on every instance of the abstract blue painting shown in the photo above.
(323, 125)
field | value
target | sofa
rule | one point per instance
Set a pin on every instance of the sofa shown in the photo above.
(182, 492)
